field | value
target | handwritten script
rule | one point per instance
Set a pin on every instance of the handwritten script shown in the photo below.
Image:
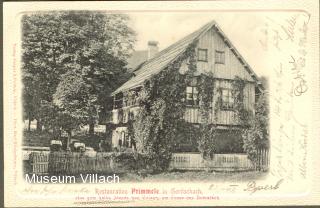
(253, 187)
(286, 40)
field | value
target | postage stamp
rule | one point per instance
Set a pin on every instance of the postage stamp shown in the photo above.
(161, 104)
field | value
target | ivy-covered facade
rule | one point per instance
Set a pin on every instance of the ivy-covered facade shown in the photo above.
(197, 95)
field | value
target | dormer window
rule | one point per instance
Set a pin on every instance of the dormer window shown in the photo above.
(202, 54)
(219, 57)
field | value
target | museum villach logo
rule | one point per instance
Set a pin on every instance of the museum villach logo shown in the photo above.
(84, 178)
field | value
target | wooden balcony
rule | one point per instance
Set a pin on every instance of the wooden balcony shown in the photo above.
(123, 115)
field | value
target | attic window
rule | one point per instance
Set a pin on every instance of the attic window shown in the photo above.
(202, 54)
(219, 57)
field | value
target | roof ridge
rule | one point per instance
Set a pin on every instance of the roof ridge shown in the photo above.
(169, 54)
(160, 53)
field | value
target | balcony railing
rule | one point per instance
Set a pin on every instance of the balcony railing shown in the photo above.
(123, 115)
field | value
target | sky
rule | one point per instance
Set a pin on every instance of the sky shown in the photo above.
(245, 30)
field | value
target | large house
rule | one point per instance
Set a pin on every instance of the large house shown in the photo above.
(215, 54)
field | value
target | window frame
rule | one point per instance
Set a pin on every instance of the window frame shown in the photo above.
(228, 105)
(194, 102)
(221, 54)
(118, 101)
(206, 54)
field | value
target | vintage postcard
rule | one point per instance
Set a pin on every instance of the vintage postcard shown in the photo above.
(209, 103)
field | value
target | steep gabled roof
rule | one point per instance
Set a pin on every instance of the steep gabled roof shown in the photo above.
(161, 60)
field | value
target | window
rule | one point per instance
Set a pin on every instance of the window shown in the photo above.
(118, 101)
(132, 98)
(192, 96)
(131, 115)
(125, 101)
(124, 140)
(202, 54)
(228, 99)
(219, 57)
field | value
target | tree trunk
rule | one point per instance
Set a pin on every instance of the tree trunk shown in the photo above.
(39, 125)
(59, 133)
(91, 128)
(69, 140)
(29, 124)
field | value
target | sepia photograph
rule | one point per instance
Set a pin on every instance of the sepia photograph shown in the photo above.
(94, 103)
(153, 105)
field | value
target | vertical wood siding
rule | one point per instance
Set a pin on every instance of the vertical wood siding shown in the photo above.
(229, 117)
(223, 117)
(232, 67)
(207, 42)
(225, 73)
(192, 115)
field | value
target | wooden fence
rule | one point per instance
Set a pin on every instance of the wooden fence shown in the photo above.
(38, 163)
(57, 163)
(76, 163)
(263, 160)
(229, 162)
(187, 161)
(225, 162)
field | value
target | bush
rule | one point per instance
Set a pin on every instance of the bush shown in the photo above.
(91, 140)
(131, 161)
(256, 137)
(36, 138)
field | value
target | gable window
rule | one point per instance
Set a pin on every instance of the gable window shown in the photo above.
(219, 57)
(202, 54)
(228, 98)
(192, 96)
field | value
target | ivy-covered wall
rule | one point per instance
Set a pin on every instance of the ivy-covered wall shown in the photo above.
(160, 129)
(162, 108)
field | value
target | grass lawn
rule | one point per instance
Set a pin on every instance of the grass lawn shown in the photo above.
(194, 176)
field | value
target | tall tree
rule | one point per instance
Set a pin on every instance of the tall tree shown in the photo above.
(41, 44)
(99, 64)
(73, 60)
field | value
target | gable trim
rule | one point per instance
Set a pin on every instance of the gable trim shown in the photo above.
(204, 29)
(227, 41)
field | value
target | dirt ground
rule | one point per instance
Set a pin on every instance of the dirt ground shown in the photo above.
(194, 176)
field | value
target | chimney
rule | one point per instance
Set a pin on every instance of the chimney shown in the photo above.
(152, 48)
